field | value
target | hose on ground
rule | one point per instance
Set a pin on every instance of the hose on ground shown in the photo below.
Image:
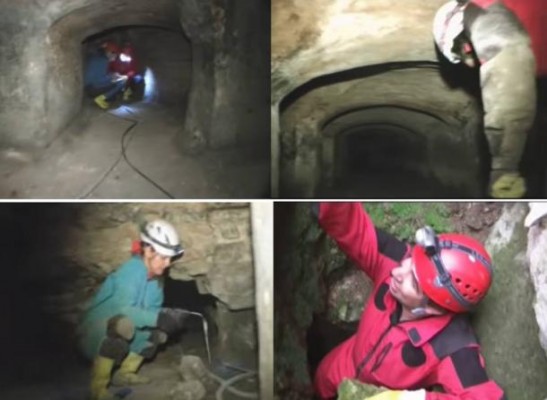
(226, 385)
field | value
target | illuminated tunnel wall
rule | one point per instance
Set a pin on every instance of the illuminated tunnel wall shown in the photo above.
(41, 88)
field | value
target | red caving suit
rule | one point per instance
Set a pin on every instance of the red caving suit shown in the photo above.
(437, 350)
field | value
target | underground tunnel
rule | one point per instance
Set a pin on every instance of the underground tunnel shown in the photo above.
(347, 68)
(61, 254)
(191, 127)
(321, 294)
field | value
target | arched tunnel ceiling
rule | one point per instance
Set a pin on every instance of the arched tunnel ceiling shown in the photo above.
(333, 36)
(414, 88)
(102, 15)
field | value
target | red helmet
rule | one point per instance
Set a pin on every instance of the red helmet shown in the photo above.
(453, 270)
(110, 47)
(127, 49)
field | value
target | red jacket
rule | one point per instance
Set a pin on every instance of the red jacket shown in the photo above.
(533, 15)
(439, 350)
(129, 68)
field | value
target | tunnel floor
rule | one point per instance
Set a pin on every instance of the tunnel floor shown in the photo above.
(389, 185)
(86, 161)
(69, 379)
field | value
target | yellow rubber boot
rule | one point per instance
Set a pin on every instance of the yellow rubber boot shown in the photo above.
(127, 374)
(508, 186)
(127, 94)
(100, 377)
(101, 101)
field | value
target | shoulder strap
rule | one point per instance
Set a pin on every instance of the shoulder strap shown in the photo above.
(455, 336)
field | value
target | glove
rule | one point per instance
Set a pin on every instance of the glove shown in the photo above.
(400, 395)
(509, 185)
(171, 320)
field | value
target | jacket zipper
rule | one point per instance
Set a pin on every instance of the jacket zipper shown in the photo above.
(371, 352)
(394, 319)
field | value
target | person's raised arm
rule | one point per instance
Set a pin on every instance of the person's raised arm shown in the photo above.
(351, 227)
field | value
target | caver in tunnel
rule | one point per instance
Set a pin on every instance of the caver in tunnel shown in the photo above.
(339, 331)
(142, 301)
(179, 109)
(373, 64)
(114, 72)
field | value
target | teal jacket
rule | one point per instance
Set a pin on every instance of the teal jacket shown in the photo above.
(126, 291)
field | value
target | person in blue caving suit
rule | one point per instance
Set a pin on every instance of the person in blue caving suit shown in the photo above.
(124, 323)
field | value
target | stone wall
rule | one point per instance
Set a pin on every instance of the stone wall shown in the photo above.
(66, 250)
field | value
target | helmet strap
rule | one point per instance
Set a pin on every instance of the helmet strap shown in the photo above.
(419, 312)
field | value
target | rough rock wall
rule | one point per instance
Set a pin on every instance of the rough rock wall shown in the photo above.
(242, 75)
(74, 246)
(302, 255)
(505, 322)
(229, 50)
(537, 259)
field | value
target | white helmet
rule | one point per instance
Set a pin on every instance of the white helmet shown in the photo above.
(163, 237)
(447, 26)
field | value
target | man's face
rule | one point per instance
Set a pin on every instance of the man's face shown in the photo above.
(155, 262)
(404, 285)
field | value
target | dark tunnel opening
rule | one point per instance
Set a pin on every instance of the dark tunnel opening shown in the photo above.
(382, 160)
(185, 295)
(378, 148)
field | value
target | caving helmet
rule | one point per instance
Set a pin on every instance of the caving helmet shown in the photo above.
(110, 47)
(126, 53)
(453, 270)
(447, 27)
(163, 238)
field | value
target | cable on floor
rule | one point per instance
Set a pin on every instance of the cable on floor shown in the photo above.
(105, 175)
(123, 154)
(226, 385)
(138, 171)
